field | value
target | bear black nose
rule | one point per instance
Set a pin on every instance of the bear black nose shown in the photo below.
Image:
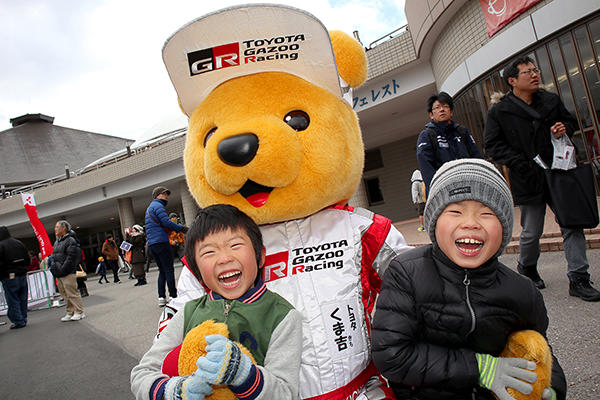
(238, 150)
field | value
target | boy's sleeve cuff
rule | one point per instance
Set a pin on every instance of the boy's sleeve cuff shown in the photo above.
(157, 390)
(251, 387)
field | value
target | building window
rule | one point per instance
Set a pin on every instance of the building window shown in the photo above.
(374, 194)
(373, 160)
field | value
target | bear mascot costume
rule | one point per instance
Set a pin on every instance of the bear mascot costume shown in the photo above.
(267, 90)
(272, 133)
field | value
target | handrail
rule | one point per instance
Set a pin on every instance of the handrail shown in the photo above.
(389, 36)
(102, 161)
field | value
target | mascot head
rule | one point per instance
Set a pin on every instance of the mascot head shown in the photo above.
(267, 91)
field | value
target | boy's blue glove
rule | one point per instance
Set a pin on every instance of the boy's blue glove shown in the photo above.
(498, 373)
(191, 387)
(224, 363)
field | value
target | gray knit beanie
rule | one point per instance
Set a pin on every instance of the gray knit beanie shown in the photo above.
(470, 179)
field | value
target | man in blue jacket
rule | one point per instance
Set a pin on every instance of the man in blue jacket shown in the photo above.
(442, 140)
(158, 226)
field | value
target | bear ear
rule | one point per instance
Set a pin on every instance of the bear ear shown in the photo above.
(350, 58)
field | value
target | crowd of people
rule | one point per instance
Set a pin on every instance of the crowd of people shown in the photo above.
(162, 241)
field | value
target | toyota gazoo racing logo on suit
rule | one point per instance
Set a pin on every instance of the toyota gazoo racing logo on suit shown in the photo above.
(245, 52)
(323, 257)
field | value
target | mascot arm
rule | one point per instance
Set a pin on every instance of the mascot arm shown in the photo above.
(188, 288)
(281, 370)
(394, 245)
(149, 370)
(398, 349)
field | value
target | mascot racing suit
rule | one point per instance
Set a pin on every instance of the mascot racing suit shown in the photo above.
(328, 266)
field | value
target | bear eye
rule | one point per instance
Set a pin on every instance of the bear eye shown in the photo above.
(298, 120)
(209, 134)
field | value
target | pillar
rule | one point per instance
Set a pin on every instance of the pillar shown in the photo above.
(126, 215)
(359, 198)
(188, 204)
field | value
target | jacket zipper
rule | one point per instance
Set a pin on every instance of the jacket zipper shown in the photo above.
(227, 308)
(467, 282)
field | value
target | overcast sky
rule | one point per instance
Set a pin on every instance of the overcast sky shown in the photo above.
(96, 65)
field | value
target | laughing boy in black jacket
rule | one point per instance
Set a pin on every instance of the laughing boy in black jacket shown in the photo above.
(446, 310)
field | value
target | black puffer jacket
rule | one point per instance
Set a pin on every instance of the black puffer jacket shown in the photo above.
(66, 255)
(515, 133)
(425, 336)
(13, 255)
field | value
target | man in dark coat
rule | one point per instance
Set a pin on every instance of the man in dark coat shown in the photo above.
(158, 225)
(66, 257)
(442, 140)
(14, 260)
(517, 131)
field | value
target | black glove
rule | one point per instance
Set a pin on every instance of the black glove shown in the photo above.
(185, 229)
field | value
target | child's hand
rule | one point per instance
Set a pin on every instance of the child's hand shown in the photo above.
(497, 373)
(224, 363)
(190, 387)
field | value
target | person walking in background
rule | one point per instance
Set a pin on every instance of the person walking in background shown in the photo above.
(417, 189)
(101, 269)
(110, 250)
(517, 132)
(14, 260)
(34, 264)
(176, 239)
(137, 239)
(81, 286)
(442, 140)
(158, 226)
(65, 260)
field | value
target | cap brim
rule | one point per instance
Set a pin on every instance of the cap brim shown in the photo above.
(246, 40)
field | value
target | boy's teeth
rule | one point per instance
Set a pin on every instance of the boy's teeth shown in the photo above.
(229, 275)
(469, 241)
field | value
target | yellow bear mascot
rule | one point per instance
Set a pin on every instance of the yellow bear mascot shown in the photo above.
(268, 92)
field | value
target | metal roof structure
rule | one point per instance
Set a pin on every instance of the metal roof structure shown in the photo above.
(35, 149)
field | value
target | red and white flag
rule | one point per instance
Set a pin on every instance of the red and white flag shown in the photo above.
(498, 13)
(38, 228)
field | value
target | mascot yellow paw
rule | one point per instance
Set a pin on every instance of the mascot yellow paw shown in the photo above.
(194, 346)
(531, 346)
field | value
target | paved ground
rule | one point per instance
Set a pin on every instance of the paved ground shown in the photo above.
(91, 359)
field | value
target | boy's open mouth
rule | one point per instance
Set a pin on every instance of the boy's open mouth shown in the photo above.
(469, 246)
(230, 279)
(255, 193)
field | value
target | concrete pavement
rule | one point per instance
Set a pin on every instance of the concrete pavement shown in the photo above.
(92, 358)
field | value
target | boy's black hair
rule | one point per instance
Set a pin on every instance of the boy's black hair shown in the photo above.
(217, 218)
(109, 236)
(442, 97)
(512, 68)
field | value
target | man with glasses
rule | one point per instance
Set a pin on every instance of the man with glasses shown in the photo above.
(442, 140)
(517, 133)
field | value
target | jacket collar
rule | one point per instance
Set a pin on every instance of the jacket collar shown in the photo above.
(252, 295)
(542, 102)
(161, 201)
(484, 275)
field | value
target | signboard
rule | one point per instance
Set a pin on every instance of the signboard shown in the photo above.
(125, 246)
(498, 13)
